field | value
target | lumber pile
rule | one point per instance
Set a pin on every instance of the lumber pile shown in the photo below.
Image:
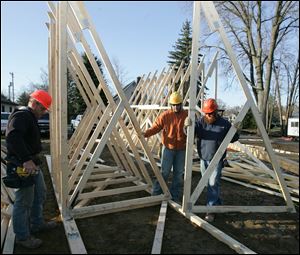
(7, 199)
(247, 168)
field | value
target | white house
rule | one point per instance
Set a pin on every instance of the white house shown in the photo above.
(7, 105)
(293, 126)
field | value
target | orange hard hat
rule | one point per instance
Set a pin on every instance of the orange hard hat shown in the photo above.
(42, 97)
(209, 105)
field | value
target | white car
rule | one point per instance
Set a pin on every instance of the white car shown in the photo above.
(4, 120)
(75, 122)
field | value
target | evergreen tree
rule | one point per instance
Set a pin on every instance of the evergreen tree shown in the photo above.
(76, 104)
(249, 121)
(93, 75)
(3, 97)
(182, 52)
(23, 99)
(183, 47)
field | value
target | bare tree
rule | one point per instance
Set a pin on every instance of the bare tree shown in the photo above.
(292, 71)
(221, 104)
(257, 29)
(44, 78)
(277, 99)
(121, 72)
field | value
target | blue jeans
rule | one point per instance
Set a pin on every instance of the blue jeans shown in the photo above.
(175, 158)
(28, 207)
(213, 185)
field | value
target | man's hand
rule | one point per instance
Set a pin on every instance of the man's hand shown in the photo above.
(30, 167)
(187, 122)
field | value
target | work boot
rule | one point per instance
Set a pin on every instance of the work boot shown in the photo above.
(46, 226)
(209, 217)
(30, 243)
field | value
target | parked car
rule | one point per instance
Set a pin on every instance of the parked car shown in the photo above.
(44, 124)
(4, 120)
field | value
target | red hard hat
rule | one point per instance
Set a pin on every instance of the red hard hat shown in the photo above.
(209, 105)
(42, 97)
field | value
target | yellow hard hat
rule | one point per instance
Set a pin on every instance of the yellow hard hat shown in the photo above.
(175, 98)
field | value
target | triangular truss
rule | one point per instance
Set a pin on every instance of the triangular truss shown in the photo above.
(78, 172)
(150, 98)
(190, 198)
(85, 185)
(7, 200)
(248, 170)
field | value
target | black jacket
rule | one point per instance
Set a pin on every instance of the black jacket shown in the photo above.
(23, 138)
(210, 137)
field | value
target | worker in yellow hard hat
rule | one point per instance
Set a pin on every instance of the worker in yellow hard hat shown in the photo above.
(171, 123)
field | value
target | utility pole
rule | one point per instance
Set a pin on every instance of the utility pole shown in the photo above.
(11, 84)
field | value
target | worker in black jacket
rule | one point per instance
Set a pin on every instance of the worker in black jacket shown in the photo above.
(23, 172)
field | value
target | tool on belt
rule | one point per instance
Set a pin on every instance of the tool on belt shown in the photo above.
(17, 176)
(22, 172)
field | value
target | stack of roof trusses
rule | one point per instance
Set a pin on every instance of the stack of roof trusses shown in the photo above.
(151, 95)
(85, 186)
(78, 173)
(7, 200)
(150, 98)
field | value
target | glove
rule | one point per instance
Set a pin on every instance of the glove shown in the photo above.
(187, 122)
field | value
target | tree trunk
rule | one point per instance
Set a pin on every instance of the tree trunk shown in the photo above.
(260, 100)
(271, 106)
(279, 105)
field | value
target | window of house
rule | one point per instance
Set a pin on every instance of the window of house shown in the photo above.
(294, 124)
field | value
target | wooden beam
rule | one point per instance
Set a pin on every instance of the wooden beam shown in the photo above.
(158, 238)
(215, 232)
(89, 211)
(73, 236)
(192, 97)
(243, 209)
(8, 247)
(257, 188)
(111, 192)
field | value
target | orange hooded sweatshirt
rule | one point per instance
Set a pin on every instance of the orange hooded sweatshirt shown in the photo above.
(172, 125)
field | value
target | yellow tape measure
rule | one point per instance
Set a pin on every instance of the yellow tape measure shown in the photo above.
(22, 172)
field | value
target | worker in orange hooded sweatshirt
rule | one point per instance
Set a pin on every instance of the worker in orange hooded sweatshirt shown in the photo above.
(171, 123)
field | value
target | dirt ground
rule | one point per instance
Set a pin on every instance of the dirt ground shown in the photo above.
(133, 231)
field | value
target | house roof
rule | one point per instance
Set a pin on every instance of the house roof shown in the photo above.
(133, 83)
(7, 101)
